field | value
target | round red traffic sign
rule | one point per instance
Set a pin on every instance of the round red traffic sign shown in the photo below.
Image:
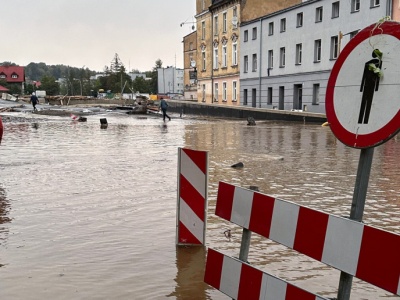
(363, 92)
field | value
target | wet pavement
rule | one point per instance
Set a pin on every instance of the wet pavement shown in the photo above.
(89, 212)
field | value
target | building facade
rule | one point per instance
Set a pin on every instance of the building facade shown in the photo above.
(170, 81)
(287, 56)
(190, 66)
(218, 34)
(13, 75)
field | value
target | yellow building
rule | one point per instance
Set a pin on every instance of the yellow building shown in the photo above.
(190, 67)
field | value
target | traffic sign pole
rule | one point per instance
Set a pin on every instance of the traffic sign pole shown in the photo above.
(357, 211)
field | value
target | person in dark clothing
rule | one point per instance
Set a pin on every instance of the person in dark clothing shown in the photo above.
(34, 101)
(164, 106)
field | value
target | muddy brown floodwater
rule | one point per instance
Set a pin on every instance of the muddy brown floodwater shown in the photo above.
(90, 213)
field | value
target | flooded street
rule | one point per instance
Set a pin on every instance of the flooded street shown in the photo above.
(90, 213)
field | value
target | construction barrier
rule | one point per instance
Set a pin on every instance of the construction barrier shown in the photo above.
(365, 252)
(192, 197)
(241, 281)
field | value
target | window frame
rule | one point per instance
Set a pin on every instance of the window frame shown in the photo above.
(203, 30)
(282, 57)
(254, 63)
(299, 53)
(334, 47)
(203, 58)
(269, 95)
(335, 9)
(319, 14)
(271, 28)
(317, 50)
(375, 3)
(283, 25)
(224, 91)
(245, 35)
(254, 33)
(234, 54)
(299, 20)
(270, 59)
(216, 25)
(245, 64)
(224, 22)
(316, 94)
(354, 5)
(234, 91)
(215, 60)
(216, 91)
(224, 56)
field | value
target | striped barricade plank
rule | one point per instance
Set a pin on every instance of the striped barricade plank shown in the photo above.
(241, 281)
(367, 253)
(192, 196)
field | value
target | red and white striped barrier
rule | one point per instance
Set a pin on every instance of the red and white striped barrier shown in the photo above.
(192, 196)
(368, 253)
(239, 280)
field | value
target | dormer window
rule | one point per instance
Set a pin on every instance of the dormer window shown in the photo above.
(14, 76)
(2, 75)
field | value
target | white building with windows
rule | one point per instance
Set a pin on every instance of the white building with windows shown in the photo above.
(170, 81)
(287, 56)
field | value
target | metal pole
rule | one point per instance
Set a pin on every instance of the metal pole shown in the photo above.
(246, 238)
(357, 211)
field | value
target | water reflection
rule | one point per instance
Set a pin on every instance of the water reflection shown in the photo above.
(102, 208)
(4, 218)
(190, 264)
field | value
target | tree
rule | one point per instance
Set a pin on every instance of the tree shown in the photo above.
(140, 85)
(49, 84)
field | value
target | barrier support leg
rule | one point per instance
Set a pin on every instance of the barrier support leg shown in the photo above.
(357, 211)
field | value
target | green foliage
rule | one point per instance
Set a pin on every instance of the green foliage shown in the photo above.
(49, 84)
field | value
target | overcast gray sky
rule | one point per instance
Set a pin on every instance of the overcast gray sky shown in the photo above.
(89, 32)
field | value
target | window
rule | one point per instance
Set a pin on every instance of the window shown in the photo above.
(334, 47)
(271, 28)
(254, 69)
(2, 76)
(224, 56)
(283, 25)
(355, 5)
(245, 64)
(216, 92)
(203, 92)
(298, 53)
(234, 54)
(224, 22)
(246, 35)
(191, 46)
(317, 50)
(14, 76)
(215, 64)
(315, 98)
(299, 21)
(335, 9)
(203, 59)
(269, 99)
(203, 4)
(254, 37)
(224, 91)
(270, 59)
(203, 30)
(318, 14)
(282, 58)
(375, 3)
(216, 25)
(234, 91)
(245, 94)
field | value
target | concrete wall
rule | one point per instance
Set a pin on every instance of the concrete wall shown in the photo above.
(200, 109)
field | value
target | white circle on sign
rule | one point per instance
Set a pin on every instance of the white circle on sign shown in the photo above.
(348, 93)
(363, 109)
